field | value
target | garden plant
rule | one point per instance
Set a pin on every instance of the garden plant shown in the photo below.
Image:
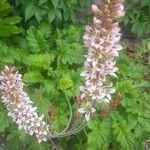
(68, 80)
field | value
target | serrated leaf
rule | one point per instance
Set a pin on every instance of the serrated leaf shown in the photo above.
(8, 23)
(61, 116)
(39, 60)
(33, 77)
(50, 88)
(58, 14)
(12, 138)
(60, 121)
(36, 146)
(123, 135)
(93, 124)
(36, 39)
(99, 137)
(71, 51)
(5, 8)
(41, 2)
(43, 102)
(51, 15)
(55, 3)
(4, 120)
(29, 11)
(71, 54)
(38, 15)
(12, 20)
(65, 82)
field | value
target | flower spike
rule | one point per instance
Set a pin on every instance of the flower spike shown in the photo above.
(101, 39)
(20, 106)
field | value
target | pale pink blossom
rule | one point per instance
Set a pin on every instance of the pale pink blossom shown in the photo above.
(87, 110)
(102, 40)
(95, 10)
(19, 105)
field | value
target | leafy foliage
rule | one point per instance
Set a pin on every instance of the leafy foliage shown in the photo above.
(100, 135)
(137, 16)
(128, 123)
(51, 60)
(8, 23)
(4, 121)
(124, 136)
(47, 72)
(51, 10)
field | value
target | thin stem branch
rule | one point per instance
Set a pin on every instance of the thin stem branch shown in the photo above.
(82, 126)
(70, 118)
(71, 132)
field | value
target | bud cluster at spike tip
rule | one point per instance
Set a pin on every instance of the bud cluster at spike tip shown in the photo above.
(102, 40)
(20, 106)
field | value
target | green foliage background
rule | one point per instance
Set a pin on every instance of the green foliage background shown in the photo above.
(137, 17)
(50, 55)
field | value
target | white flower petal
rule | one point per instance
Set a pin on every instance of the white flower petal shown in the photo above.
(105, 100)
(82, 110)
(118, 47)
(112, 91)
(108, 96)
(93, 110)
(82, 95)
(88, 104)
(87, 116)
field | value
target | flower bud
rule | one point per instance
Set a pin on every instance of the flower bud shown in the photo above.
(103, 30)
(106, 12)
(120, 1)
(109, 21)
(97, 22)
(95, 10)
(106, 1)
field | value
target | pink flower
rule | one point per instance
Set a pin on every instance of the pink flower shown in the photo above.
(20, 106)
(102, 41)
(97, 22)
(95, 10)
(87, 110)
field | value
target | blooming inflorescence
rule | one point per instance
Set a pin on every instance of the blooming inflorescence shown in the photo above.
(20, 106)
(102, 41)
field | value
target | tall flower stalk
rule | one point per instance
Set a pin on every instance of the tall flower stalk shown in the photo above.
(102, 40)
(19, 105)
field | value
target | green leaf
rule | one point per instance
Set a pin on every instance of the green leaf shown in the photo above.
(123, 135)
(37, 40)
(12, 20)
(29, 11)
(8, 24)
(12, 138)
(50, 88)
(39, 60)
(42, 102)
(38, 14)
(126, 20)
(65, 82)
(58, 14)
(99, 137)
(55, 3)
(71, 51)
(93, 124)
(36, 146)
(51, 15)
(61, 116)
(4, 120)
(33, 77)
(41, 2)
(5, 8)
